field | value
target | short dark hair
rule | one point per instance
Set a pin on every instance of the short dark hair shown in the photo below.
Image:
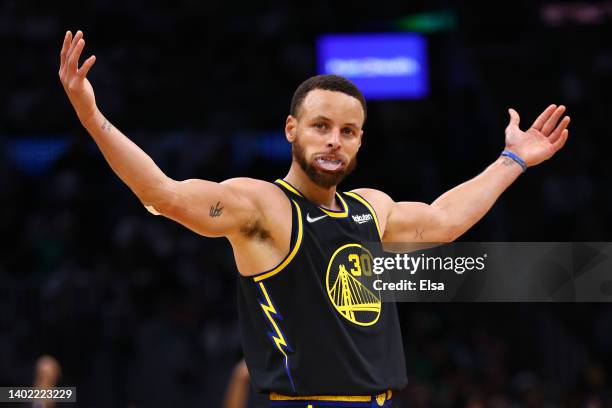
(334, 83)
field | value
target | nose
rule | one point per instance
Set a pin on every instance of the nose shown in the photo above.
(333, 139)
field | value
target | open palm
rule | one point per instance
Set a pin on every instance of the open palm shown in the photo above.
(542, 140)
(77, 86)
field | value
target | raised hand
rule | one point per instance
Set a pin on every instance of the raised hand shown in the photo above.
(542, 140)
(77, 86)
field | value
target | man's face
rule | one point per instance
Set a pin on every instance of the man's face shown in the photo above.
(326, 136)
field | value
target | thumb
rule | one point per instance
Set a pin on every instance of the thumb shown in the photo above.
(87, 66)
(514, 118)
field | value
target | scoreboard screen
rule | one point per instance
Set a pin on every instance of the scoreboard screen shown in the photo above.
(383, 66)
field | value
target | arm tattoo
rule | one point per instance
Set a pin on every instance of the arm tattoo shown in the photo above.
(107, 126)
(419, 234)
(216, 210)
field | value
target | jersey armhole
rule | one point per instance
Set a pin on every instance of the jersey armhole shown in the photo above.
(368, 206)
(297, 233)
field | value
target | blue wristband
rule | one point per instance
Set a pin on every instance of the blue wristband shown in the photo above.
(516, 158)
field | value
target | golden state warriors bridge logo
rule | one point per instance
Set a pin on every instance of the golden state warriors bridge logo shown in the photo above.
(348, 280)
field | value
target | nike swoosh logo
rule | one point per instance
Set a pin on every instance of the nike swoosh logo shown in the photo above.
(314, 219)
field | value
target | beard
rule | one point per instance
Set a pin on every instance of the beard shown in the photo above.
(324, 179)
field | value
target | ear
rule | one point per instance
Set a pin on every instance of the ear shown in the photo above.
(291, 128)
(360, 139)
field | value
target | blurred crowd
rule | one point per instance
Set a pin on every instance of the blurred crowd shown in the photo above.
(141, 312)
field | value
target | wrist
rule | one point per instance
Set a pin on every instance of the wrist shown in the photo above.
(88, 120)
(511, 158)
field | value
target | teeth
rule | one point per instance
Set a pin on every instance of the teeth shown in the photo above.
(329, 164)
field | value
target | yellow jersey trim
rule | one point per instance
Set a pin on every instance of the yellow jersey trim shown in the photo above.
(364, 202)
(289, 187)
(293, 252)
(337, 214)
(347, 398)
(334, 214)
(336, 398)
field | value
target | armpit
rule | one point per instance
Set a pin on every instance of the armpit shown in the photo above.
(254, 229)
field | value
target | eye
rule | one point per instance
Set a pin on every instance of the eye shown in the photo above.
(348, 131)
(319, 125)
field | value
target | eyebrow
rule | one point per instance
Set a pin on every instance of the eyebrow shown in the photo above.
(321, 117)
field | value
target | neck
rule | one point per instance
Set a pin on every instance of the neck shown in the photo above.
(325, 197)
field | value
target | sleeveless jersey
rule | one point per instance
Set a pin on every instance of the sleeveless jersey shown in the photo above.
(311, 325)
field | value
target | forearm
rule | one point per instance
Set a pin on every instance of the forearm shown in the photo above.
(466, 204)
(133, 166)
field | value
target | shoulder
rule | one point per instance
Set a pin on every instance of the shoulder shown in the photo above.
(270, 201)
(259, 191)
(247, 183)
(376, 198)
(381, 202)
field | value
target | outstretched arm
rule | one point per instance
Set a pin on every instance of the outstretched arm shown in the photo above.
(457, 210)
(211, 209)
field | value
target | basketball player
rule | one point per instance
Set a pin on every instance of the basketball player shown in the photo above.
(312, 335)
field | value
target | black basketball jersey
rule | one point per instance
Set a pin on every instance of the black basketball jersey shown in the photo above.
(310, 326)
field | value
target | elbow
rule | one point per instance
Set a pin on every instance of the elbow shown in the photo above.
(454, 231)
(168, 207)
(159, 198)
(451, 235)
(450, 229)
(446, 235)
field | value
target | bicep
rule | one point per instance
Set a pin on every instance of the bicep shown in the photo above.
(408, 221)
(416, 222)
(208, 208)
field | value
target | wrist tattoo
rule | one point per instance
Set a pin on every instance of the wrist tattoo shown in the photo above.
(506, 161)
(216, 210)
(107, 126)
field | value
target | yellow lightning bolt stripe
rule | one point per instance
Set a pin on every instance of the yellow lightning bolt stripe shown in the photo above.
(268, 308)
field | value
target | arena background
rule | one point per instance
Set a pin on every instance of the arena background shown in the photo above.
(141, 312)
